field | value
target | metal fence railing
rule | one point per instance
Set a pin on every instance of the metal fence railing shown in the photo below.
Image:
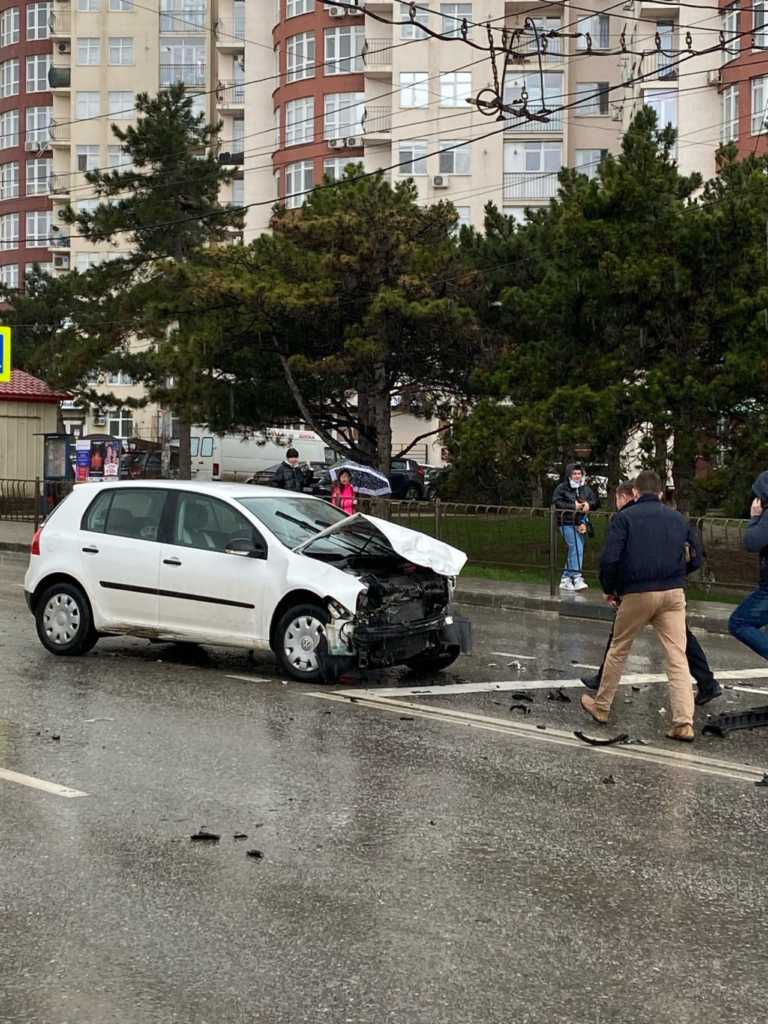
(30, 501)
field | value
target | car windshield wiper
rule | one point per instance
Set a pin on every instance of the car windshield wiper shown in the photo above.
(298, 522)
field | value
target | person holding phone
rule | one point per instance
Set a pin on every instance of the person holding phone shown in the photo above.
(750, 618)
(574, 499)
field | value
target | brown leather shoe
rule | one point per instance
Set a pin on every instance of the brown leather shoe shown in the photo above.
(684, 733)
(588, 703)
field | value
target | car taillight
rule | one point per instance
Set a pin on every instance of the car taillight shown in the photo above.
(35, 548)
(215, 469)
(420, 471)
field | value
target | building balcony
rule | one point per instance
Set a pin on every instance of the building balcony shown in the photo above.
(230, 95)
(58, 240)
(377, 58)
(60, 78)
(520, 126)
(658, 65)
(230, 35)
(232, 158)
(60, 133)
(522, 185)
(525, 51)
(60, 24)
(377, 121)
(194, 76)
(186, 22)
(59, 185)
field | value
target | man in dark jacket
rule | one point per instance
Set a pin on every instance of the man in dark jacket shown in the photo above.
(751, 616)
(574, 499)
(708, 687)
(289, 474)
(648, 552)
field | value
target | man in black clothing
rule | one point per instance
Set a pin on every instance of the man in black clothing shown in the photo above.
(289, 475)
(708, 686)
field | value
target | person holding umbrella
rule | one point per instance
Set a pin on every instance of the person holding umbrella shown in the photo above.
(362, 479)
(343, 493)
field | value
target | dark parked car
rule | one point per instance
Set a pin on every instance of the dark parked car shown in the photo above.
(144, 465)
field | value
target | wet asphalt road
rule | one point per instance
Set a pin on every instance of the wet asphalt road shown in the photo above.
(414, 870)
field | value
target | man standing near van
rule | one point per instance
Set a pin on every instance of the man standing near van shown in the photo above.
(289, 475)
(649, 550)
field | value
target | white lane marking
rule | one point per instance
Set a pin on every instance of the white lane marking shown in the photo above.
(253, 679)
(33, 783)
(750, 689)
(580, 664)
(654, 755)
(522, 657)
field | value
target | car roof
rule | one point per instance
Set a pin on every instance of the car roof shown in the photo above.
(216, 488)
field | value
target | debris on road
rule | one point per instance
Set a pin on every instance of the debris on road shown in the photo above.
(240, 835)
(763, 781)
(559, 695)
(636, 741)
(202, 836)
(522, 695)
(55, 737)
(255, 854)
(90, 721)
(730, 721)
(609, 780)
(542, 727)
(406, 718)
(593, 741)
(522, 708)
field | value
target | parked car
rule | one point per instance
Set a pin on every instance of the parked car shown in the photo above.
(243, 566)
(433, 478)
(143, 465)
(264, 477)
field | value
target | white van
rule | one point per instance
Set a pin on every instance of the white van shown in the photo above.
(234, 457)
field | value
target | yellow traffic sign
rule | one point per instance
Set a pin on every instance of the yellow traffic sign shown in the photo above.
(5, 354)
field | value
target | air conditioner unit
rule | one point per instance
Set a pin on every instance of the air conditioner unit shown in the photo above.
(99, 419)
(33, 147)
(336, 143)
(353, 141)
(60, 261)
(713, 76)
(64, 47)
(336, 12)
(440, 181)
(618, 114)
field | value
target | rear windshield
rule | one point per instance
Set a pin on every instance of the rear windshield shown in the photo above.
(293, 519)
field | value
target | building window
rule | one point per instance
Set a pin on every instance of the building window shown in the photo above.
(87, 6)
(118, 159)
(9, 129)
(238, 192)
(9, 232)
(120, 50)
(37, 73)
(344, 49)
(730, 21)
(759, 102)
(664, 102)
(42, 268)
(88, 50)
(455, 88)
(87, 158)
(296, 7)
(38, 19)
(121, 105)
(592, 99)
(414, 90)
(588, 160)
(300, 121)
(39, 125)
(300, 57)
(456, 161)
(183, 16)
(9, 181)
(761, 28)
(408, 28)
(729, 101)
(599, 29)
(183, 60)
(121, 6)
(83, 262)
(9, 26)
(412, 158)
(87, 104)
(39, 176)
(464, 214)
(38, 229)
(120, 423)
(9, 78)
(335, 167)
(299, 179)
(237, 143)
(121, 379)
(344, 115)
(9, 275)
(453, 15)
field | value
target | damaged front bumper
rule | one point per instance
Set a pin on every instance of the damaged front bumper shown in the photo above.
(374, 644)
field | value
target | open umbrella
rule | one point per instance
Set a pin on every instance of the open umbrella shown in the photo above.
(364, 479)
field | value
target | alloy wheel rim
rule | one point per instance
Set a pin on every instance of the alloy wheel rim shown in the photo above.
(302, 640)
(61, 619)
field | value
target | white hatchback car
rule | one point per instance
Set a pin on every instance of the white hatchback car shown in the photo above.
(243, 566)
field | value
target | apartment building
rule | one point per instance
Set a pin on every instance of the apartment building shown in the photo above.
(683, 88)
(744, 76)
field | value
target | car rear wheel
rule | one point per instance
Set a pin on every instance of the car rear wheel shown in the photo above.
(412, 493)
(300, 643)
(64, 622)
(428, 661)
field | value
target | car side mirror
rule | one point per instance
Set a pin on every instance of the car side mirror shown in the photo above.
(246, 548)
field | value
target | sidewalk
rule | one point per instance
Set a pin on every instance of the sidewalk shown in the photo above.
(15, 539)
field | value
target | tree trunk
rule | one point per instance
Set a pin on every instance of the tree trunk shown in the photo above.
(381, 408)
(683, 461)
(185, 449)
(660, 450)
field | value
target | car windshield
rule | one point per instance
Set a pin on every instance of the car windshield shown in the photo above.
(293, 519)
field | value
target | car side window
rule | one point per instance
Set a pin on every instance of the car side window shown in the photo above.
(95, 518)
(135, 512)
(207, 523)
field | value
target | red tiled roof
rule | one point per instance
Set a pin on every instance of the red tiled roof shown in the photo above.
(23, 387)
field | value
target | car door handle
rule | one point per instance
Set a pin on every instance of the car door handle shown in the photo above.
(171, 561)
(91, 551)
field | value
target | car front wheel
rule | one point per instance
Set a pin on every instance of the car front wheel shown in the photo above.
(412, 493)
(64, 622)
(301, 646)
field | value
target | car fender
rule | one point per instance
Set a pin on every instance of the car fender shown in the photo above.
(305, 573)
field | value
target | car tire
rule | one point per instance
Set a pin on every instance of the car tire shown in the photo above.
(428, 661)
(412, 493)
(300, 644)
(64, 621)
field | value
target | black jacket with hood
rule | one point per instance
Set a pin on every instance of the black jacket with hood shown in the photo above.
(565, 497)
(756, 534)
(291, 478)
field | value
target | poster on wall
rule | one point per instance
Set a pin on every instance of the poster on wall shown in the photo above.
(112, 460)
(82, 460)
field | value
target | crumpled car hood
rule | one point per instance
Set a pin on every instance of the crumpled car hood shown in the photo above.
(418, 548)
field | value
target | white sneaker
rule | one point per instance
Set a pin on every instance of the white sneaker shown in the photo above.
(580, 583)
(566, 583)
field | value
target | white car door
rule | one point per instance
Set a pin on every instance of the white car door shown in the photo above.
(120, 556)
(207, 595)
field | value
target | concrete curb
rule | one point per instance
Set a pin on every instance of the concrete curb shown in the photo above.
(8, 547)
(574, 608)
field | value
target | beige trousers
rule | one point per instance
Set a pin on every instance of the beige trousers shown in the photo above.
(665, 611)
